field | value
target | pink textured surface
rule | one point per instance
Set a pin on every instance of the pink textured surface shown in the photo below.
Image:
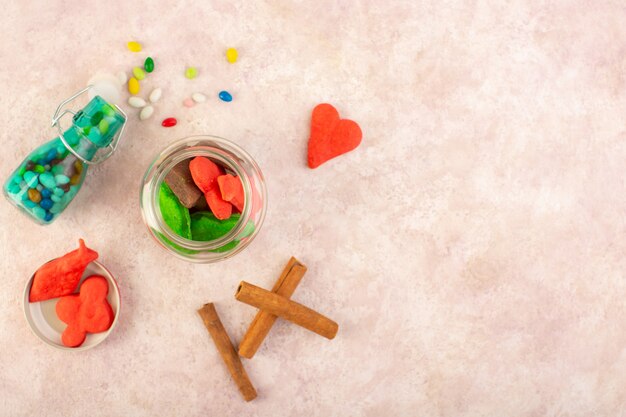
(471, 249)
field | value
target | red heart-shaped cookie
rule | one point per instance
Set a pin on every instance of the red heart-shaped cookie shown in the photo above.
(330, 135)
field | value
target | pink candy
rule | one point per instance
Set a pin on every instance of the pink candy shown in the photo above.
(188, 102)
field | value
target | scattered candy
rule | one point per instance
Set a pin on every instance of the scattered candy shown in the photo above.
(174, 214)
(231, 190)
(85, 312)
(148, 64)
(225, 96)
(155, 95)
(133, 86)
(330, 135)
(146, 112)
(134, 46)
(122, 77)
(169, 122)
(231, 55)
(188, 102)
(139, 73)
(198, 97)
(136, 102)
(60, 276)
(181, 183)
(191, 72)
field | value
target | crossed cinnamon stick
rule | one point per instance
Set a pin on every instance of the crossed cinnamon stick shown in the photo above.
(271, 305)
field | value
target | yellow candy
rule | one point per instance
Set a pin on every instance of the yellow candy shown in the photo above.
(134, 46)
(231, 55)
(133, 86)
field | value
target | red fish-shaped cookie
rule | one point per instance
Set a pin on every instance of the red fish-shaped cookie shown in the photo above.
(60, 276)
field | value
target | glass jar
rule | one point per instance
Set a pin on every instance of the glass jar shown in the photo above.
(233, 159)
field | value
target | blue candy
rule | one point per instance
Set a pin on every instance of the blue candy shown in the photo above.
(225, 96)
(46, 203)
(52, 153)
(45, 193)
(48, 217)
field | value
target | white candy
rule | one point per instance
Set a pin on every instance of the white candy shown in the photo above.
(198, 97)
(136, 102)
(146, 112)
(155, 95)
(122, 77)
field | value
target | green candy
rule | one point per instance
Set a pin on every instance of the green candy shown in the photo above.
(148, 65)
(191, 72)
(175, 215)
(103, 126)
(39, 169)
(95, 119)
(205, 226)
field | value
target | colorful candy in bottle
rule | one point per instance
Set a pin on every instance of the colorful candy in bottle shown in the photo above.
(45, 183)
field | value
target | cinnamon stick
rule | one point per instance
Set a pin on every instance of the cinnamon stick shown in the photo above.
(227, 350)
(263, 321)
(287, 309)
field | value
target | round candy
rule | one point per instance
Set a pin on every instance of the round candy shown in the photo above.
(133, 86)
(231, 55)
(198, 97)
(31, 179)
(148, 64)
(39, 212)
(188, 102)
(62, 179)
(39, 169)
(225, 96)
(48, 217)
(146, 112)
(155, 95)
(95, 119)
(103, 126)
(46, 204)
(139, 73)
(136, 102)
(34, 195)
(191, 72)
(45, 193)
(134, 46)
(169, 122)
